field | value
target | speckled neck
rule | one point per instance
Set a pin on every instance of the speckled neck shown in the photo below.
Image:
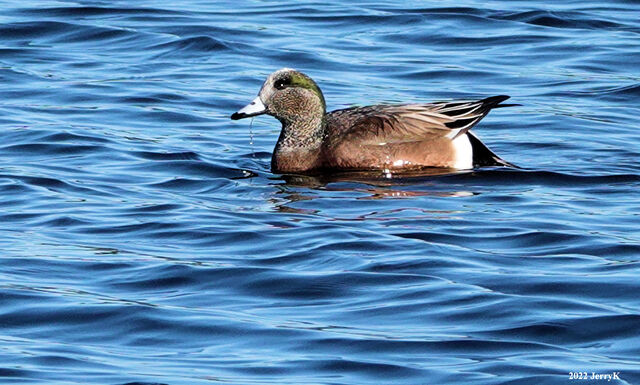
(303, 132)
(299, 145)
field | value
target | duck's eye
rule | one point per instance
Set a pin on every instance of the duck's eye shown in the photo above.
(282, 83)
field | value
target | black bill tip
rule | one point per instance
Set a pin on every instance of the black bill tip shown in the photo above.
(238, 115)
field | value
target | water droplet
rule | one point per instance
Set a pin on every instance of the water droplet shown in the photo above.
(253, 151)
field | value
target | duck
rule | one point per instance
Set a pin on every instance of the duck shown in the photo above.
(388, 137)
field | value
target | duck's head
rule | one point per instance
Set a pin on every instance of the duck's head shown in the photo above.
(287, 95)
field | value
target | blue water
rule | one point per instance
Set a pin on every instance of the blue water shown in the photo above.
(144, 238)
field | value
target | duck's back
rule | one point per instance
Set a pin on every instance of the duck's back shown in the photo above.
(408, 136)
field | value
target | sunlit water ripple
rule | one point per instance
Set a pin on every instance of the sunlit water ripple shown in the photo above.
(145, 240)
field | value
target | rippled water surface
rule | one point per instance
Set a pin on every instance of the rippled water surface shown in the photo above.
(144, 238)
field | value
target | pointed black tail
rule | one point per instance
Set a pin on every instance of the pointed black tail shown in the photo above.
(494, 102)
(483, 156)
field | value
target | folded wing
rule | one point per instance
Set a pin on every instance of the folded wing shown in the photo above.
(414, 122)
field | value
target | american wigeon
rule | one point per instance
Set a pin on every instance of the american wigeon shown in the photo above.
(385, 137)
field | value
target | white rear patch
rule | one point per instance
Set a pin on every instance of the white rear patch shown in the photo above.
(463, 152)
